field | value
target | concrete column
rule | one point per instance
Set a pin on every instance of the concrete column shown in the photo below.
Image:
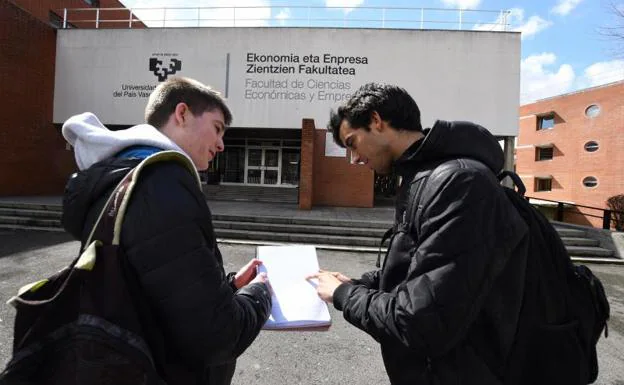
(306, 181)
(509, 157)
(509, 152)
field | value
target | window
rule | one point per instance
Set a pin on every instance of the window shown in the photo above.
(233, 159)
(592, 111)
(545, 122)
(543, 184)
(93, 3)
(591, 146)
(590, 181)
(543, 153)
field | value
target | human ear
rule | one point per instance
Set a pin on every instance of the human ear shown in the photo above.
(180, 113)
(376, 122)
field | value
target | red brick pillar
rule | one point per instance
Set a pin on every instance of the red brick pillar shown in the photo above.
(306, 181)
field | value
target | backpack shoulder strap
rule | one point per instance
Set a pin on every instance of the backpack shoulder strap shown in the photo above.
(416, 188)
(515, 178)
(107, 227)
(411, 217)
(413, 200)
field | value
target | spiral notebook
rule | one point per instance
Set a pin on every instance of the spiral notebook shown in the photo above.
(296, 304)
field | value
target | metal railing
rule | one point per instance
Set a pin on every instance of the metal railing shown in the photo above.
(290, 16)
(607, 215)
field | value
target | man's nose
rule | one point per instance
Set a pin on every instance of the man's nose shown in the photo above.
(355, 157)
(220, 145)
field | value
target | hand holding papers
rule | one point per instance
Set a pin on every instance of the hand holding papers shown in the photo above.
(295, 302)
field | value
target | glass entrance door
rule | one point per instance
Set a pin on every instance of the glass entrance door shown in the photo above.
(263, 166)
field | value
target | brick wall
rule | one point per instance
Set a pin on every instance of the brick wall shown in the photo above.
(330, 181)
(110, 18)
(338, 182)
(33, 158)
(571, 163)
(306, 171)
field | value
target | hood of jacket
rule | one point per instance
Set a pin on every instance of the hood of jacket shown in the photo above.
(447, 140)
(93, 142)
(95, 147)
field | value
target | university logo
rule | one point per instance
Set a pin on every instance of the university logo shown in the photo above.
(162, 71)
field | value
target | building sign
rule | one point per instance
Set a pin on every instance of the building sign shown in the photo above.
(275, 77)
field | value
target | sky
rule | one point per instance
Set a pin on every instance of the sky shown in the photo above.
(565, 43)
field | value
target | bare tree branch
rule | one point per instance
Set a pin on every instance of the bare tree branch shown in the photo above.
(614, 30)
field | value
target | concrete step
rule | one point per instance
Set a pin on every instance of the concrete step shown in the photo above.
(297, 237)
(339, 233)
(573, 241)
(586, 251)
(30, 221)
(30, 228)
(301, 229)
(303, 221)
(251, 193)
(30, 213)
(567, 232)
(31, 206)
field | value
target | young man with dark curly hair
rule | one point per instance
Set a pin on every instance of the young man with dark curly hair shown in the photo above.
(445, 304)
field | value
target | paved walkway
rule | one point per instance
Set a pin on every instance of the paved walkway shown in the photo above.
(288, 210)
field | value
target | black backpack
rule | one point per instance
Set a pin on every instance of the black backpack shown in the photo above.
(564, 310)
(89, 323)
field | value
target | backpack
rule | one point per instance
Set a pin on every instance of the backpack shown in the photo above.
(88, 323)
(564, 310)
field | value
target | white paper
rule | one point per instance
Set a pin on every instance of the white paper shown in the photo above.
(295, 301)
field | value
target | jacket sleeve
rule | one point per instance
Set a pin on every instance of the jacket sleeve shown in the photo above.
(370, 279)
(467, 231)
(168, 237)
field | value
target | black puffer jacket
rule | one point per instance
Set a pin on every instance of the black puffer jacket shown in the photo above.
(168, 237)
(445, 305)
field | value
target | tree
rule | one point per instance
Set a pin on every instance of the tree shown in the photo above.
(615, 30)
(616, 205)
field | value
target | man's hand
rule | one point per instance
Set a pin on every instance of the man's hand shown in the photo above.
(328, 281)
(341, 277)
(261, 278)
(247, 273)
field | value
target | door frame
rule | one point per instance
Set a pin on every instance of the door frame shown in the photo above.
(262, 167)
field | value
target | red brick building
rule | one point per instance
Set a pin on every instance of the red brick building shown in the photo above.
(570, 148)
(33, 157)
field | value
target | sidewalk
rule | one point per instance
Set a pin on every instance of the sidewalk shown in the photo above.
(257, 209)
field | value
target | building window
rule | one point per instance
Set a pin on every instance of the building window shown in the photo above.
(591, 146)
(93, 3)
(592, 111)
(543, 184)
(546, 122)
(590, 181)
(543, 153)
(233, 163)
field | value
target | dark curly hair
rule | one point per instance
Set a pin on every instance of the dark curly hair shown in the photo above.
(393, 104)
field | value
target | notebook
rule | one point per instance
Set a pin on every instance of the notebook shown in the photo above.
(295, 302)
